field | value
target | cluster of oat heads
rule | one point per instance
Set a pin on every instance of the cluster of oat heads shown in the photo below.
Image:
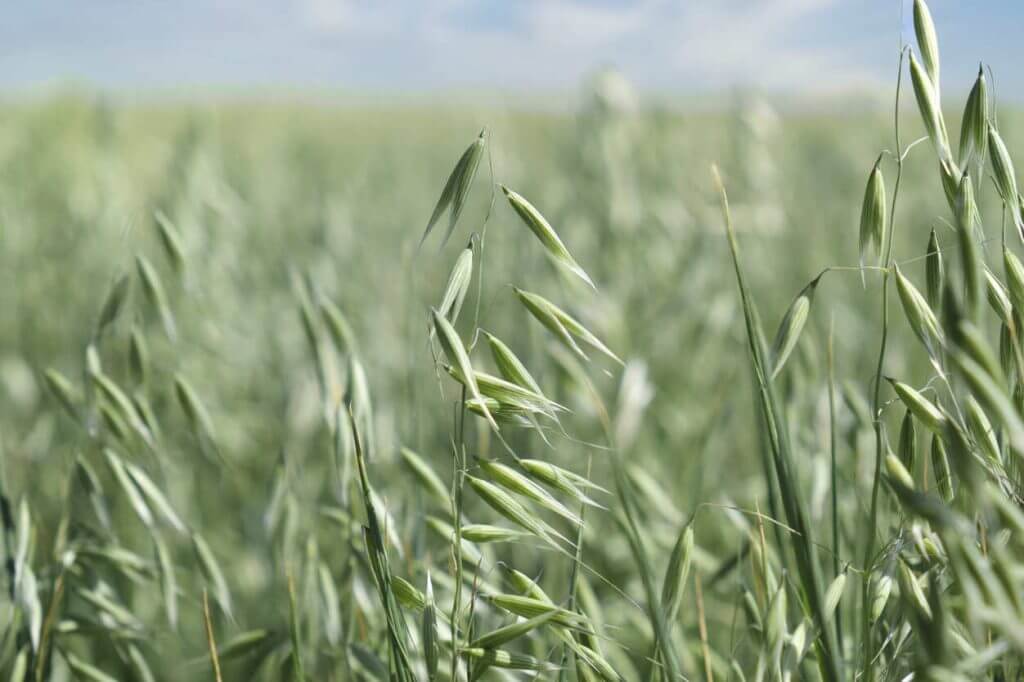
(245, 475)
(936, 527)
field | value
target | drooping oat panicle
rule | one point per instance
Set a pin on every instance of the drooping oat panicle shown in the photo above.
(563, 325)
(509, 364)
(873, 232)
(506, 634)
(974, 127)
(511, 394)
(928, 105)
(935, 272)
(922, 408)
(791, 326)
(457, 356)
(562, 480)
(518, 483)
(470, 554)
(927, 42)
(553, 246)
(529, 607)
(456, 189)
(428, 477)
(153, 288)
(506, 505)
(482, 533)
(170, 240)
(487, 658)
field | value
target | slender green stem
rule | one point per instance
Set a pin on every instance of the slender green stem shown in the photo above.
(876, 405)
(833, 447)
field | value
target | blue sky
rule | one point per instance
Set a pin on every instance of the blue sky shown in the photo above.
(435, 46)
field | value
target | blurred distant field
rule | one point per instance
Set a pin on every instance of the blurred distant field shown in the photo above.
(280, 203)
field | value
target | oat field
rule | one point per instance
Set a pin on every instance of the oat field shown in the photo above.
(632, 391)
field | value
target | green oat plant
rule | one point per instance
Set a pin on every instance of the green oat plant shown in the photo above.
(245, 452)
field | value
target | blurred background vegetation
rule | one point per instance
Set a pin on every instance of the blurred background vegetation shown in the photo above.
(276, 200)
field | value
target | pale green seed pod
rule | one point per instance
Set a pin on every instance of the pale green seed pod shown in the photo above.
(1007, 359)
(676, 574)
(171, 242)
(457, 355)
(138, 356)
(911, 591)
(427, 476)
(897, 472)
(563, 325)
(407, 594)
(940, 469)
(833, 594)
(928, 105)
(456, 188)
(555, 250)
(919, 314)
(981, 429)
(509, 364)
(64, 391)
(974, 128)
(950, 175)
(520, 484)
(908, 442)
(927, 42)
(482, 533)
(880, 596)
(1002, 168)
(872, 214)
(458, 284)
(935, 272)
(998, 298)
(429, 633)
(970, 257)
(922, 408)
(153, 288)
(791, 326)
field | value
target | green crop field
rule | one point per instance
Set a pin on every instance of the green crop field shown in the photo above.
(327, 391)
